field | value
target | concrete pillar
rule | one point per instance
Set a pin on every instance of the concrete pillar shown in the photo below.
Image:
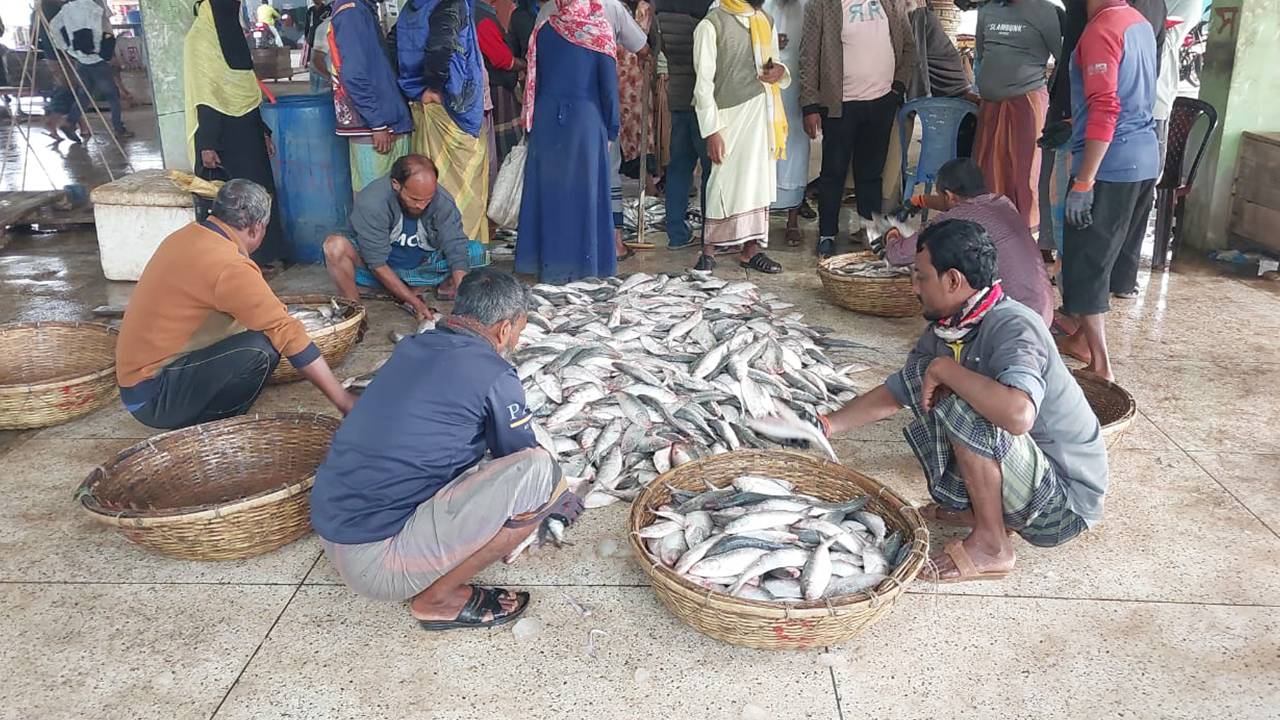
(1239, 79)
(165, 24)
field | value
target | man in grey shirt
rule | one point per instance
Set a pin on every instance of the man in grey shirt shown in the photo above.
(1002, 430)
(404, 231)
(1013, 44)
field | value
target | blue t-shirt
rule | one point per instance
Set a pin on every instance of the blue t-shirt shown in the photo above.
(442, 399)
(406, 251)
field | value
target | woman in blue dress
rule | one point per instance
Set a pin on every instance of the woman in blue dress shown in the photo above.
(565, 231)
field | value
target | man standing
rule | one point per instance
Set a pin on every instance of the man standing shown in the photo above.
(404, 230)
(405, 508)
(203, 330)
(1114, 153)
(793, 170)
(960, 193)
(856, 57)
(316, 13)
(442, 74)
(1002, 430)
(739, 104)
(270, 17)
(79, 30)
(676, 21)
(371, 112)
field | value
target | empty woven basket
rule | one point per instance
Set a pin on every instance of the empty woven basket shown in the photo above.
(223, 490)
(52, 372)
(1114, 406)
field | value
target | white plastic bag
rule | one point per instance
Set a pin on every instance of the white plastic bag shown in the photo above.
(504, 202)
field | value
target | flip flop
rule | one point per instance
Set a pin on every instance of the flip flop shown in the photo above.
(628, 254)
(794, 237)
(1062, 340)
(806, 211)
(954, 549)
(482, 600)
(761, 262)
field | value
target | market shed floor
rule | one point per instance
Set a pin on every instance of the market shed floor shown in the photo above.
(1169, 609)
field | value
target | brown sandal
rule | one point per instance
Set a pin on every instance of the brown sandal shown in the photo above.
(954, 549)
(930, 513)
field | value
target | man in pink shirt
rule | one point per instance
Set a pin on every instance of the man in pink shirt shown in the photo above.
(961, 193)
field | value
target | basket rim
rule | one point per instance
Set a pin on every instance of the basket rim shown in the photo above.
(1130, 403)
(825, 273)
(789, 610)
(170, 516)
(317, 298)
(59, 381)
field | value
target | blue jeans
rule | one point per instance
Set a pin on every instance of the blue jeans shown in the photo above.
(100, 79)
(687, 147)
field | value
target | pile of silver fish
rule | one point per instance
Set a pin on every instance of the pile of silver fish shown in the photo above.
(318, 317)
(759, 539)
(869, 269)
(627, 378)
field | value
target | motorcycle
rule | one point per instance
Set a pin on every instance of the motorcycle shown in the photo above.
(262, 37)
(1191, 54)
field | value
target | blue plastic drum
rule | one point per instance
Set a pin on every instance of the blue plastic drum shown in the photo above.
(312, 169)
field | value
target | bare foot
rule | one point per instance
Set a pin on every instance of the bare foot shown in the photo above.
(985, 561)
(1075, 346)
(449, 607)
(1104, 373)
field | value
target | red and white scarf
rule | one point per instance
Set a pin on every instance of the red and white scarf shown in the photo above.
(581, 22)
(956, 327)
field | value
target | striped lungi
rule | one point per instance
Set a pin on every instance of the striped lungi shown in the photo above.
(1034, 497)
(1006, 149)
(367, 164)
(462, 164)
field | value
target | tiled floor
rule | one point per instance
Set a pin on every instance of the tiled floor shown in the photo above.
(1169, 609)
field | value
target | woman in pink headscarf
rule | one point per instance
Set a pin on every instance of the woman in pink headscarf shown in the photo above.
(571, 111)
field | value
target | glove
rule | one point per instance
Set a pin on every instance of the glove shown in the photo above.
(903, 212)
(1079, 209)
(880, 243)
(818, 421)
(1055, 135)
(567, 507)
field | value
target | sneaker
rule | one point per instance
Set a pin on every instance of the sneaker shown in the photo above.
(123, 133)
(1130, 295)
(826, 247)
(705, 263)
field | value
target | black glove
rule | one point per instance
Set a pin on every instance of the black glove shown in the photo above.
(567, 507)
(1055, 135)
(903, 212)
(817, 421)
(1079, 210)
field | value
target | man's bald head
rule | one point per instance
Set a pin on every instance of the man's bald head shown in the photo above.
(413, 177)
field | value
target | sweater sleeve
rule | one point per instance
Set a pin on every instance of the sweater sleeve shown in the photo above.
(492, 45)
(446, 26)
(810, 54)
(450, 238)
(371, 221)
(241, 293)
(1098, 55)
(704, 67)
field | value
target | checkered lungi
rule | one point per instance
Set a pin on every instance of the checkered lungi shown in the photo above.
(1034, 498)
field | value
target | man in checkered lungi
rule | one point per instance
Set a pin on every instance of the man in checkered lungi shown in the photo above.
(1002, 430)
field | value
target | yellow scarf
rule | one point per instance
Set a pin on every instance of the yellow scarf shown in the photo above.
(762, 44)
(207, 79)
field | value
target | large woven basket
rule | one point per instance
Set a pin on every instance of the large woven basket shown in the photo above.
(778, 625)
(223, 490)
(886, 297)
(52, 372)
(1114, 406)
(334, 341)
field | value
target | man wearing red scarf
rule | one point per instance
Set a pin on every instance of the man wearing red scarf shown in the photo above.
(1002, 430)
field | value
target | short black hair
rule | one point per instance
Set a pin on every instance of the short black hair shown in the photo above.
(961, 245)
(409, 165)
(961, 176)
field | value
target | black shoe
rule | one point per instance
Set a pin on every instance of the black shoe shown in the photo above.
(826, 247)
(70, 132)
(705, 263)
(123, 133)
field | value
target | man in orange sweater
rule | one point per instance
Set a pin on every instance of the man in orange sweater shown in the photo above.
(204, 331)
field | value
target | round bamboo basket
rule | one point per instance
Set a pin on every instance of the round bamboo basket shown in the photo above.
(778, 625)
(1114, 406)
(334, 341)
(52, 372)
(224, 490)
(886, 297)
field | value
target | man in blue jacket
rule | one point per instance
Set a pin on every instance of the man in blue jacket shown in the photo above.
(404, 505)
(371, 111)
(1115, 157)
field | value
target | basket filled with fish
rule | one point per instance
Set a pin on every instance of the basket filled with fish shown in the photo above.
(864, 283)
(776, 549)
(52, 372)
(333, 324)
(1114, 406)
(224, 490)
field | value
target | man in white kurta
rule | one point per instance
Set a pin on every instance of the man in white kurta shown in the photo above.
(793, 170)
(736, 114)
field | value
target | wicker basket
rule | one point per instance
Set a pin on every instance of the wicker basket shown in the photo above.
(1113, 405)
(223, 490)
(334, 341)
(52, 372)
(886, 297)
(778, 625)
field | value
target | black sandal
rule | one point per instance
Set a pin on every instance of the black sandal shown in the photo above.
(482, 601)
(630, 253)
(705, 263)
(806, 210)
(761, 262)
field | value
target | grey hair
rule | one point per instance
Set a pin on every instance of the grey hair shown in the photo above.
(242, 204)
(490, 296)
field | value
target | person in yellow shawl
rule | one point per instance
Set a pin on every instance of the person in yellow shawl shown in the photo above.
(738, 99)
(224, 127)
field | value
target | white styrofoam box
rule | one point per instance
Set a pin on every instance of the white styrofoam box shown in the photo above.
(133, 215)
